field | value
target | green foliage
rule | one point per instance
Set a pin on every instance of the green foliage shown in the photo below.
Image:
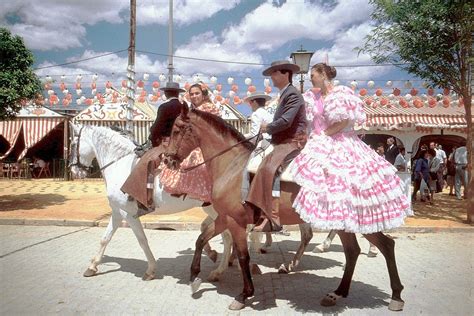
(18, 83)
(430, 39)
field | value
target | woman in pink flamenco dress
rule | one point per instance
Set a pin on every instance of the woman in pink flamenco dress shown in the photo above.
(345, 185)
(195, 183)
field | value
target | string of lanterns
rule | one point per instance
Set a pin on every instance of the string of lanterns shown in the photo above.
(113, 95)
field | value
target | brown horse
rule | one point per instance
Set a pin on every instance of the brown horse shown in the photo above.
(226, 152)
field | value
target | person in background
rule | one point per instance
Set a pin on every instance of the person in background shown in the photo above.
(421, 173)
(441, 156)
(460, 161)
(434, 165)
(38, 164)
(451, 171)
(259, 115)
(380, 149)
(400, 162)
(392, 150)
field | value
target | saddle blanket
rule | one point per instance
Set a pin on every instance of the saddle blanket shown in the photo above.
(256, 158)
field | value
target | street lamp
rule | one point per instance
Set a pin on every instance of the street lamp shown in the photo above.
(302, 58)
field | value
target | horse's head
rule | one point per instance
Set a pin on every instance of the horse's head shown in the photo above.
(81, 152)
(182, 141)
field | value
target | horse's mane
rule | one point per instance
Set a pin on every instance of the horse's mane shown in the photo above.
(223, 127)
(107, 137)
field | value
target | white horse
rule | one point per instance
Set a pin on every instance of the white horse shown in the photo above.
(115, 155)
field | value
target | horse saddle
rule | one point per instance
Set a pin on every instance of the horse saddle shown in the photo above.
(263, 149)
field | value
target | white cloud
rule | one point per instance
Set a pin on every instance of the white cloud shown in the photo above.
(57, 25)
(342, 53)
(270, 25)
(207, 46)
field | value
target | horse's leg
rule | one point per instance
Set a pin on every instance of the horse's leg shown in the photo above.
(306, 235)
(268, 240)
(224, 262)
(202, 240)
(387, 248)
(114, 223)
(212, 254)
(137, 229)
(239, 236)
(351, 252)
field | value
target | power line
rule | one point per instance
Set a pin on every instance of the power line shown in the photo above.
(80, 60)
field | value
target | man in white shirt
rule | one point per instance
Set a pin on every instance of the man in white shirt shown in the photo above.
(260, 115)
(460, 161)
(400, 161)
(441, 155)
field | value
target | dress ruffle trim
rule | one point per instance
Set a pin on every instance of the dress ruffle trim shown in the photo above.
(341, 104)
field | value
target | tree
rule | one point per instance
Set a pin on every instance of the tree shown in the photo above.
(18, 83)
(431, 39)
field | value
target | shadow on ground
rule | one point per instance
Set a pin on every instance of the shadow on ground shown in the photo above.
(294, 288)
(444, 207)
(29, 201)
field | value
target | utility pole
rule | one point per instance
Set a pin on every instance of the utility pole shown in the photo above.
(170, 42)
(131, 69)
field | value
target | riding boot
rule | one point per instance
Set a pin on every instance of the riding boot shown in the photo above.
(271, 224)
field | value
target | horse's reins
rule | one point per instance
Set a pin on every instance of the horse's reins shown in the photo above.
(82, 166)
(220, 153)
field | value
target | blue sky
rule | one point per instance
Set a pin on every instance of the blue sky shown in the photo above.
(253, 31)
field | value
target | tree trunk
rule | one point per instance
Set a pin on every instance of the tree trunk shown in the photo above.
(470, 156)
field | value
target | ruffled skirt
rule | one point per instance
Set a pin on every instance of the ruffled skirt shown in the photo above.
(345, 185)
(196, 183)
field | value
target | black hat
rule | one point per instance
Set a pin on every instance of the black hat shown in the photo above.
(281, 65)
(172, 86)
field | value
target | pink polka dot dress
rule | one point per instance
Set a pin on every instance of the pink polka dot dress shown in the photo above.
(345, 185)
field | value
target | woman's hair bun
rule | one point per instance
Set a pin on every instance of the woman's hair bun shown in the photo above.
(331, 72)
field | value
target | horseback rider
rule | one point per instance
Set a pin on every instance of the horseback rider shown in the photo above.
(288, 132)
(139, 185)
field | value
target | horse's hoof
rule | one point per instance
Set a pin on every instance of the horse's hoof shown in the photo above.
(396, 305)
(330, 299)
(89, 272)
(282, 269)
(212, 255)
(236, 305)
(213, 276)
(292, 266)
(319, 249)
(148, 277)
(255, 269)
(195, 285)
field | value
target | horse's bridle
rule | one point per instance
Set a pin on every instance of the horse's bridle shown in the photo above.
(78, 162)
(189, 127)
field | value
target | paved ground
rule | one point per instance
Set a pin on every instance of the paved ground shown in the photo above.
(43, 201)
(41, 273)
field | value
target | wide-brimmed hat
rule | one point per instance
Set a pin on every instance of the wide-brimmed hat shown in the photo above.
(281, 65)
(172, 86)
(257, 95)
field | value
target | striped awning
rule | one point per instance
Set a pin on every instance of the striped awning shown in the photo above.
(436, 116)
(141, 129)
(34, 129)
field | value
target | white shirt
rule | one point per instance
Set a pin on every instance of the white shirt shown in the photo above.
(441, 155)
(400, 161)
(256, 119)
(460, 156)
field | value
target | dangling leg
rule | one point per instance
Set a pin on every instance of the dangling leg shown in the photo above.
(137, 229)
(387, 248)
(324, 246)
(211, 253)
(224, 262)
(351, 252)
(114, 223)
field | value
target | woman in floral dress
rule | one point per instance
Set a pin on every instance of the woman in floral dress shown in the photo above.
(345, 185)
(195, 183)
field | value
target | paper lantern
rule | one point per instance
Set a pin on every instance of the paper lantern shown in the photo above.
(234, 88)
(363, 92)
(78, 78)
(140, 84)
(231, 93)
(178, 78)
(432, 102)
(62, 86)
(370, 84)
(403, 103)
(236, 99)
(141, 99)
(389, 83)
(78, 85)
(430, 91)
(378, 92)
(65, 91)
(93, 85)
(78, 101)
(219, 98)
(69, 96)
(79, 91)
(354, 84)
(47, 86)
(408, 96)
(213, 79)
(88, 101)
(268, 89)
(143, 93)
(248, 81)
(368, 101)
(94, 91)
(408, 84)
(49, 79)
(162, 77)
(446, 91)
(124, 83)
(63, 77)
(230, 80)
(396, 92)
(252, 89)
(101, 100)
(94, 77)
(336, 82)
(65, 102)
(446, 102)
(219, 87)
(108, 84)
(383, 102)
(146, 76)
(413, 92)
(155, 84)
(417, 103)
(266, 82)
